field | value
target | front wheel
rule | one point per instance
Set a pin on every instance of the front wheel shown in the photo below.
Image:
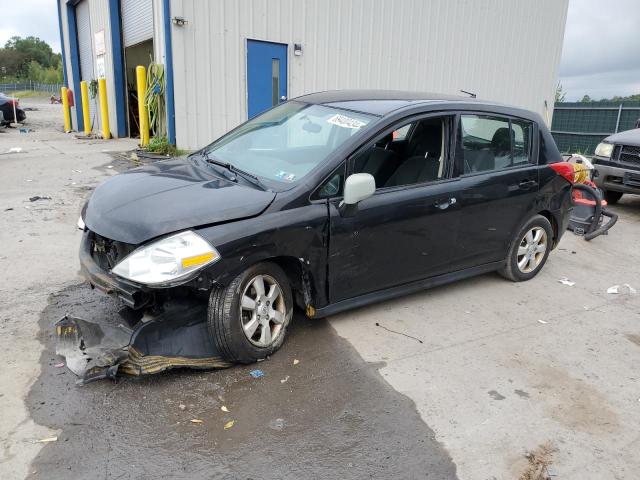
(529, 250)
(248, 320)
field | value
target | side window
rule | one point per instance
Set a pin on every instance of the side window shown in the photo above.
(522, 135)
(413, 153)
(401, 134)
(492, 143)
(332, 187)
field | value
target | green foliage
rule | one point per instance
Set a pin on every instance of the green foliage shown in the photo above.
(30, 59)
(615, 99)
(161, 146)
(38, 73)
(560, 93)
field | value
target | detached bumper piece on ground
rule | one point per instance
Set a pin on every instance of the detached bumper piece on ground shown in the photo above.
(176, 338)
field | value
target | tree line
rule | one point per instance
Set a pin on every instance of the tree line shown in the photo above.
(561, 96)
(29, 58)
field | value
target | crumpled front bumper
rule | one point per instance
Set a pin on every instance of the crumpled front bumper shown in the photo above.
(178, 337)
(134, 296)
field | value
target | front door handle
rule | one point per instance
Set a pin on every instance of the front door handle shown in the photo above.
(527, 184)
(444, 204)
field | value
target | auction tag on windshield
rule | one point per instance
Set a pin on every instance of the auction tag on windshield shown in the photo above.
(286, 176)
(346, 122)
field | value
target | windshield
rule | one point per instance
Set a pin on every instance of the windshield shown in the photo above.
(287, 142)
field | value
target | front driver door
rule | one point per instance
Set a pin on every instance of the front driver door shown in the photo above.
(405, 231)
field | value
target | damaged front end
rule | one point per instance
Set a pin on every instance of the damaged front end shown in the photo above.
(177, 337)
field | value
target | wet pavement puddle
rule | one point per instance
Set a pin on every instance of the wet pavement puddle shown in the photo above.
(331, 415)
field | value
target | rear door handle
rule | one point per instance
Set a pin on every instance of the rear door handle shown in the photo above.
(527, 184)
(444, 204)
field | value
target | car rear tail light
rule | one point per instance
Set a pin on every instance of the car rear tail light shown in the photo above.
(565, 170)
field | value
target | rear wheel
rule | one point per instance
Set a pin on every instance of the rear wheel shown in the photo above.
(529, 250)
(248, 320)
(612, 197)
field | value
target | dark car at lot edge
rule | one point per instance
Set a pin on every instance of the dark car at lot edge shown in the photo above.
(330, 201)
(617, 161)
(7, 107)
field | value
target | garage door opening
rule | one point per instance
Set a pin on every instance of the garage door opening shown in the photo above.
(137, 36)
(140, 54)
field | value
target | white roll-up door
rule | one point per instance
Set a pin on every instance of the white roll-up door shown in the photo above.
(137, 21)
(85, 51)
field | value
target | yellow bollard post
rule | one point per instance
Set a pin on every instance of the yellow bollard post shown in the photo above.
(141, 78)
(86, 113)
(104, 108)
(65, 109)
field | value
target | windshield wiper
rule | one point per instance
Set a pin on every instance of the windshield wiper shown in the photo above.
(249, 177)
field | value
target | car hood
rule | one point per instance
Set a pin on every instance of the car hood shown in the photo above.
(168, 196)
(629, 137)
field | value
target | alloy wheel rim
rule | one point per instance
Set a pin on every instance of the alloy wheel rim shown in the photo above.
(532, 249)
(262, 310)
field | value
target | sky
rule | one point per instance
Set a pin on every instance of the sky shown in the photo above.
(600, 58)
(601, 52)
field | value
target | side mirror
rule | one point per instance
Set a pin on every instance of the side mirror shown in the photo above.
(356, 188)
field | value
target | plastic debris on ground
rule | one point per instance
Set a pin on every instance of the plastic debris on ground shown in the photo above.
(196, 421)
(229, 424)
(296, 361)
(59, 365)
(48, 440)
(285, 379)
(566, 281)
(277, 424)
(12, 150)
(542, 322)
(39, 197)
(256, 373)
(624, 288)
(224, 409)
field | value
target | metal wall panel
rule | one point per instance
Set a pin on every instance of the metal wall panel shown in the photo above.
(99, 10)
(137, 21)
(85, 48)
(504, 50)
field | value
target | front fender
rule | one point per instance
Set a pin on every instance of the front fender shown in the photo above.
(297, 235)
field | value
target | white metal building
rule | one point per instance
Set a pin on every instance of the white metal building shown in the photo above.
(226, 60)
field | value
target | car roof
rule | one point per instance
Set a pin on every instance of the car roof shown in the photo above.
(383, 102)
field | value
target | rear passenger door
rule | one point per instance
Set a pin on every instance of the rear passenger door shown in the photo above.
(496, 160)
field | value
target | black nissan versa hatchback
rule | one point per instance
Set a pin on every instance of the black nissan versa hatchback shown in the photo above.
(330, 201)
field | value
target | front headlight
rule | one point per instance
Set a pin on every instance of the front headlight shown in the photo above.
(604, 150)
(168, 259)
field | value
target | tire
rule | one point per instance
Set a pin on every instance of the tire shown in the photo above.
(612, 197)
(537, 225)
(230, 322)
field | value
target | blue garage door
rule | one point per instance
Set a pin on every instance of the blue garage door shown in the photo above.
(266, 75)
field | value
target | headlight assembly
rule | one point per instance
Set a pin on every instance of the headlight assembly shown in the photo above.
(167, 260)
(604, 150)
